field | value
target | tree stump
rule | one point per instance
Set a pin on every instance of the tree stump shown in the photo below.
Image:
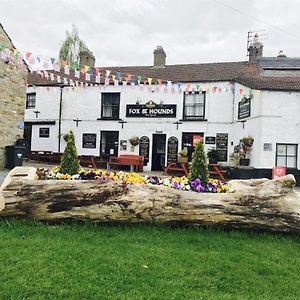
(259, 204)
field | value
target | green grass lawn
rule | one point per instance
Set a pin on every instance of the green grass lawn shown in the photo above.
(86, 261)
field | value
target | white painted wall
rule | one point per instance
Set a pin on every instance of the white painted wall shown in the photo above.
(274, 117)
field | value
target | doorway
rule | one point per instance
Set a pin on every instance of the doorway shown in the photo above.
(158, 152)
(109, 144)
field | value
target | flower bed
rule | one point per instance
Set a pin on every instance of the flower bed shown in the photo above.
(179, 183)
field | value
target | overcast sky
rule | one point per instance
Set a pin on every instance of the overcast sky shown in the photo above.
(125, 32)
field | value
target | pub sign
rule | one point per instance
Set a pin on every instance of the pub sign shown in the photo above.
(151, 110)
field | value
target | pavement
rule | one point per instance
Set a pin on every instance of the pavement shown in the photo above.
(3, 173)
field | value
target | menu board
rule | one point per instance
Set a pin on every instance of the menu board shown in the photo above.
(89, 140)
(144, 148)
(172, 150)
(222, 146)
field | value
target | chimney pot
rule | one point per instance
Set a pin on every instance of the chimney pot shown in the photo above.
(255, 50)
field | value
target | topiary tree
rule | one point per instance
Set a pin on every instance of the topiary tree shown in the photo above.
(199, 167)
(70, 162)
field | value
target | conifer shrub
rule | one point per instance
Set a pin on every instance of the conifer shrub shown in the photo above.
(69, 161)
(199, 166)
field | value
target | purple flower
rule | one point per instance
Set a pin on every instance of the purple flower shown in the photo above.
(200, 188)
(211, 188)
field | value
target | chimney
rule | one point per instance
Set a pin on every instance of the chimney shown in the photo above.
(86, 58)
(159, 57)
(255, 50)
(281, 54)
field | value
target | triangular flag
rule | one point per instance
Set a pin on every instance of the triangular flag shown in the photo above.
(77, 74)
(241, 91)
(97, 70)
(28, 54)
(86, 69)
(149, 80)
(52, 59)
(129, 77)
(107, 73)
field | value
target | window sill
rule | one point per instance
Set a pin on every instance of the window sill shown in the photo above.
(193, 120)
(109, 119)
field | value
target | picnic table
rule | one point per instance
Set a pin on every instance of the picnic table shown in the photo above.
(177, 167)
(215, 169)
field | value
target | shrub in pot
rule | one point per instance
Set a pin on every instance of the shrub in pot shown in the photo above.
(213, 155)
(245, 150)
(183, 156)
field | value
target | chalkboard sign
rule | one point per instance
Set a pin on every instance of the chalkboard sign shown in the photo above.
(244, 110)
(144, 148)
(210, 140)
(172, 149)
(89, 140)
(222, 144)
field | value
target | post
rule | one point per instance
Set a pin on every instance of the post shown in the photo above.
(59, 116)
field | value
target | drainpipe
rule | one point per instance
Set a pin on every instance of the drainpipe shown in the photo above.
(59, 116)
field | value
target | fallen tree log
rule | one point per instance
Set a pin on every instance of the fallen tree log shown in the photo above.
(259, 204)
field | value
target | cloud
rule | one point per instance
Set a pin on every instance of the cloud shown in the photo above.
(126, 32)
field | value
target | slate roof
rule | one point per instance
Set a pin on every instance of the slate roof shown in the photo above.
(248, 74)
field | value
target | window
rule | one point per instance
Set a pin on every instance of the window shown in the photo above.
(286, 155)
(44, 132)
(110, 106)
(194, 106)
(30, 100)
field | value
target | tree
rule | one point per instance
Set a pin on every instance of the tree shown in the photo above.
(71, 48)
(70, 162)
(199, 167)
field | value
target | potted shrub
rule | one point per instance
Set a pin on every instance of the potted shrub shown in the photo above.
(134, 141)
(245, 150)
(183, 156)
(213, 155)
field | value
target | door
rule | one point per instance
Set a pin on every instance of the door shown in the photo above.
(187, 142)
(27, 135)
(158, 152)
(109, 144)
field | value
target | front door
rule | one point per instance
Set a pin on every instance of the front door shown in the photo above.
(27, 135)
(109, 144)
(158, 152)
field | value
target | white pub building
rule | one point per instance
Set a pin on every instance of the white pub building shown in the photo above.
(169, 106)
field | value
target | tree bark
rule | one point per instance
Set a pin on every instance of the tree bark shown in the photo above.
(259, 204)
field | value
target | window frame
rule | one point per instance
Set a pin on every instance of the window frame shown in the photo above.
(286, 155)
(28, 100)
(43, 135)
(102, 106)
(194, 118)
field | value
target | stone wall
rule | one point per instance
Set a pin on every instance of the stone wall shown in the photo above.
(12, 99)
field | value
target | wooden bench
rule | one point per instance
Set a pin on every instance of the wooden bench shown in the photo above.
(136, 162)
(44, 156)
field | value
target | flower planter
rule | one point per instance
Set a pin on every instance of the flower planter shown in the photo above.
(183, 159)
(244, 162)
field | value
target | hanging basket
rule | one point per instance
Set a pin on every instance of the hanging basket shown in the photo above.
(134, 141)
